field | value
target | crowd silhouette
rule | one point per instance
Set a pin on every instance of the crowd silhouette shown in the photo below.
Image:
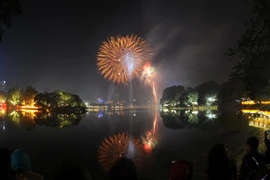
(255, 166)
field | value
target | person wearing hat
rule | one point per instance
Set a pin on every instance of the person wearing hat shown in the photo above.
(20, 164)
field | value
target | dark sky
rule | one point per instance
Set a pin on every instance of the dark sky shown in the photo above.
(53, 44)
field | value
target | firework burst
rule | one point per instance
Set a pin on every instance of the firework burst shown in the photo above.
(148, 73)
(121, 59)
(117, 146)
(149, 77)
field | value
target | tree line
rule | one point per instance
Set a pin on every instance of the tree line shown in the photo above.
(29, 96)
(19, 96)
(203, 94)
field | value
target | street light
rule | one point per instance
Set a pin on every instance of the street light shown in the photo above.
(211, 99)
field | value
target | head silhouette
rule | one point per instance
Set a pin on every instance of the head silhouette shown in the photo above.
(253, 143)
(71, 171)
(218, 160)
(4, 159)
(124, 168)
(181, 170)
(217, 153)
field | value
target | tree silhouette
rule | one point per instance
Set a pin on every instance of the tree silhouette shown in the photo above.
(252, 51)
(179, 96)
(209, 88)
(60, 101)
(29, 95)
(172, 94)
(8, 8)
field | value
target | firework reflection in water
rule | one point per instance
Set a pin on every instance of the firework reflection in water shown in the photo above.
(150, 140)
(117, 146)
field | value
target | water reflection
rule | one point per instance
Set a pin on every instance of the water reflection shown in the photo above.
(103, 124)
(2, 121)
(58, 120)
(122, 144)
(101, 114)
(173, 119)
(117, 146)
(28, 119)
(22, 119)
(150, 138)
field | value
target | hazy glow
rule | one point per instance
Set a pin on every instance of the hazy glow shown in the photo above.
(211, 99)
(130, 63)
(211, 116)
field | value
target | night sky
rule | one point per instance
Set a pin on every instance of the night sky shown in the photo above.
(53, 45)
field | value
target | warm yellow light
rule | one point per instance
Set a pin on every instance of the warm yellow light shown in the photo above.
(256, 111)
(262, 121)
(29, 110)
(28, 107)
(253, 102)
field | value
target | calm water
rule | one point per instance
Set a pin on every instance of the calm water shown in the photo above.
(187, 135)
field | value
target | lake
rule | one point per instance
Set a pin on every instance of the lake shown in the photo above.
(175, 135)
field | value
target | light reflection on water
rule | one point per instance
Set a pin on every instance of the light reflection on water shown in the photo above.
(166, 136)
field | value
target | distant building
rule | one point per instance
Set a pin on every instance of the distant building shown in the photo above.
(3, 85)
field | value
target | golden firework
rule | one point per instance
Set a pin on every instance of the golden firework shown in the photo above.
(121, 58)
(117, 146)
(148, 73)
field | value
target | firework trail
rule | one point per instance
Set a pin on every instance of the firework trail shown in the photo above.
(149, 77)
(154, 91)
(121, 58)
(117, 146)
